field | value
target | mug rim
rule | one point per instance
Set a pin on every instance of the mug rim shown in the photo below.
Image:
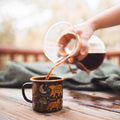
(59, 78)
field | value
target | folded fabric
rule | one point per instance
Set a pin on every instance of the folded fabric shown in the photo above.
(106, 77)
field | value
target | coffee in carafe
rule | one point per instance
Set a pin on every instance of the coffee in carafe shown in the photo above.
(92, 61)
(65, 48)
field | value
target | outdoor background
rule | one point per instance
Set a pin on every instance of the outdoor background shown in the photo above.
(23, 23)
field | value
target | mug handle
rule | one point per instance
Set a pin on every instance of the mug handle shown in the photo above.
(27, 84)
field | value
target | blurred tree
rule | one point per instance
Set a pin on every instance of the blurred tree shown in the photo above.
(75, 12)
(6, 33)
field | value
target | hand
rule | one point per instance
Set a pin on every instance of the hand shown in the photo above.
(84, 32)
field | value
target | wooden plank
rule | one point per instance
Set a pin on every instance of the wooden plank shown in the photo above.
(91, 111)
(11, 108)
(112, 52)
(101, 100)
(14, 50)
(21, 112)
(12, 105)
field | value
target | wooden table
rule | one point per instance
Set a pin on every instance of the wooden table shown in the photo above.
(77, 105)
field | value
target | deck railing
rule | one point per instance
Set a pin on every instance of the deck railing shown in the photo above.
(39, 55)
(113, 54)
(13, 53)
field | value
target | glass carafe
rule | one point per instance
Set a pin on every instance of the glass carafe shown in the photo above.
(56, 52)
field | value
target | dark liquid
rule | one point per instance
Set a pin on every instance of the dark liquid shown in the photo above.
(92, 61)
(50, 78)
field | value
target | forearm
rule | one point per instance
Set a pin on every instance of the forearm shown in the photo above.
(108, 18)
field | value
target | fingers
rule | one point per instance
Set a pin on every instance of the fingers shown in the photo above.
(84, 47)
(65, 38)
(64, 41)
(83, 51)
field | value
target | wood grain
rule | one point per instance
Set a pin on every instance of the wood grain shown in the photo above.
(13, 106)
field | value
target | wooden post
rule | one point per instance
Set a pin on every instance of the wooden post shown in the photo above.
(12, 51)
(119, 61)
(36, 57)
(12, 57)
(25, 57)
(0, 62)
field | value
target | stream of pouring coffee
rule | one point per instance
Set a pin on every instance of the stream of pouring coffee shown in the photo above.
(65, 40)
(56, 65)
(47, 78)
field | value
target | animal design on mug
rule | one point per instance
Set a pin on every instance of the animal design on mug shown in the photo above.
(56, 89)
(54, 105)
(41, 89)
